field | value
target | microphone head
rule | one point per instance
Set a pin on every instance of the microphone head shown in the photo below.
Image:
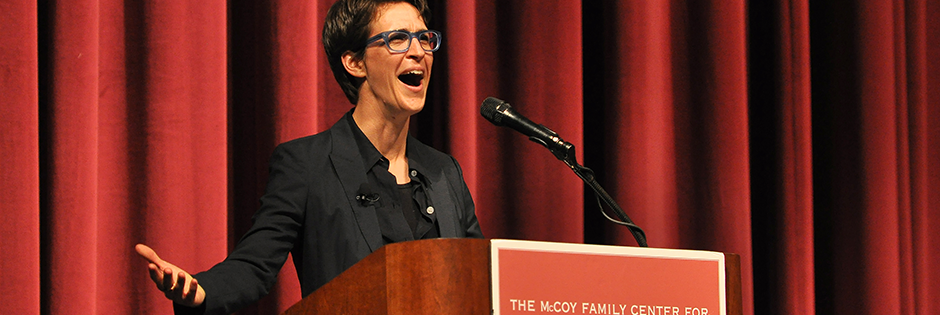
(492, 110)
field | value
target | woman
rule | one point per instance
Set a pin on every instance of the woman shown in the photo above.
(337, 196)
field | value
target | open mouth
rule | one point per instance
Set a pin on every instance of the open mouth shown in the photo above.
(412, 78)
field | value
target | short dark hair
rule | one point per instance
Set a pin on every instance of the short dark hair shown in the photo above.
(347, 28)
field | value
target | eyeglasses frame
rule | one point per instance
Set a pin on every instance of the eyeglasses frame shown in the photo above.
(411, 35)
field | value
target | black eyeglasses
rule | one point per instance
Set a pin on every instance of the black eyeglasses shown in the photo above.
(400, 41)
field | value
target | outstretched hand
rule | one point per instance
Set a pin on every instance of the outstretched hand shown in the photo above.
(175, 283)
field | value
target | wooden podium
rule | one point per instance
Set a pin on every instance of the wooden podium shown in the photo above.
(439, 276)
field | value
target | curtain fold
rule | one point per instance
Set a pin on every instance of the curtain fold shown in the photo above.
(921, 44)
(19, 156)
(926, 237)
(70, 163)
(780, 114)
(797, 274)
(802, 136)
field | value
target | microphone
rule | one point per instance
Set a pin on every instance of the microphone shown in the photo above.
(365, 197)
(500, 113)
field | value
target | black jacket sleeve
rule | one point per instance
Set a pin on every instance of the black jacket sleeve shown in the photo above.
(251, 269)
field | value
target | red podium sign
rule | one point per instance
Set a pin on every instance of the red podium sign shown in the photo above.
(543, 277)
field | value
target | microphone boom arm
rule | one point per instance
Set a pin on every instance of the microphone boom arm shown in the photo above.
(587, 175)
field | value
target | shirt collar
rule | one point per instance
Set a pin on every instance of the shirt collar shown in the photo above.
(370, 155)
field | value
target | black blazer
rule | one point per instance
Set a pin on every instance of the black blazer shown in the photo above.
(309, 209)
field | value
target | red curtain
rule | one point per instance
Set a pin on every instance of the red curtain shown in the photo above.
(781, 138)
(803, 137)
(19, 157)
(874, 102)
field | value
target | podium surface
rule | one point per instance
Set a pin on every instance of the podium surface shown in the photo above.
(455, 276)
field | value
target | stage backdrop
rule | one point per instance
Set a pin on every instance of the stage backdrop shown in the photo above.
(803, 137)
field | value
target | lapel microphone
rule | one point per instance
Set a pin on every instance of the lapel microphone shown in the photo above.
(365, 196)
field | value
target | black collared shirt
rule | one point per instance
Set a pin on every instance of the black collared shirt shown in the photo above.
(404, 211)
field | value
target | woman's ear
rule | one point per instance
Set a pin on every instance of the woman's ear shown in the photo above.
(355, 66)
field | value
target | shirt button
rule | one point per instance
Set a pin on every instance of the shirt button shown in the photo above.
(414, 173)
(430, 210)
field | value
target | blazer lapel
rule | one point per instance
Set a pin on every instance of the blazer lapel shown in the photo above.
(352, 175)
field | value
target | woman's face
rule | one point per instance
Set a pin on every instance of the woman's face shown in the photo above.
(397, 81)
